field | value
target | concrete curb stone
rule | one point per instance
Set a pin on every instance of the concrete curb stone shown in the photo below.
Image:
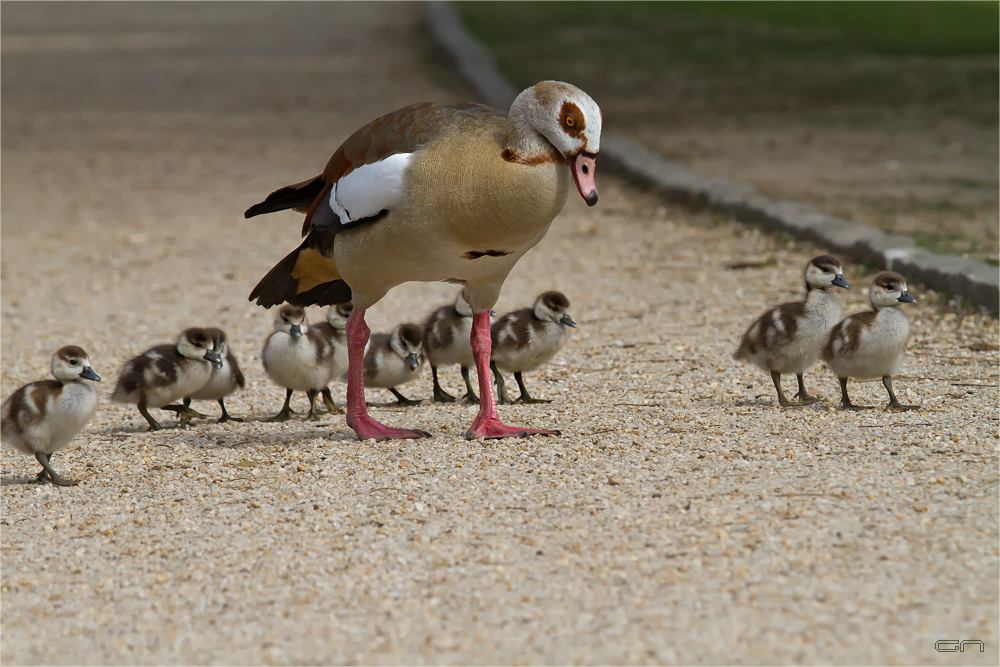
(970, 279)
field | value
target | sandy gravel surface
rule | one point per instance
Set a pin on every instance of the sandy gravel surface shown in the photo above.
(681, 518)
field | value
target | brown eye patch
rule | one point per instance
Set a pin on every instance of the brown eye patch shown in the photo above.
(572, 119)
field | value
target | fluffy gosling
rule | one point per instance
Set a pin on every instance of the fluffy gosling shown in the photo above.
(167, 373)
(526, 339)
(789, 337)
(43, 417)
(871, 344)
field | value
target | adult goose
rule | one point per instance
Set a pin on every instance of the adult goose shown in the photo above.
(435, 193)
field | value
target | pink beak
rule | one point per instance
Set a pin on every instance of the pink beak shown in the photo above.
(583, 175)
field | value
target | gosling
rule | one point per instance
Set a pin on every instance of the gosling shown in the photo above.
(167, 373)
(223, 381)
(871, 344)
(392, 359)
(789, 337)
(526, 339)
(299, 358)
(447, 333)
(43, 417)
(335, 331)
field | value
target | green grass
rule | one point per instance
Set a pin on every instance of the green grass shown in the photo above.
(807, 55)
(947, 28)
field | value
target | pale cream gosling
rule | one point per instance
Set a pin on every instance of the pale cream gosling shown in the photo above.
(871, 344)
(297, 357)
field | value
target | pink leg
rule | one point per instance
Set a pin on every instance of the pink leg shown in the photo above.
(487, 423)
(357, 413)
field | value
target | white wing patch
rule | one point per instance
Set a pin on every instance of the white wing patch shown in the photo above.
(369, 189)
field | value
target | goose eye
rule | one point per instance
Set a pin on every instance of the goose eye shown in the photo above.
(569, 121)
(825, 270)
(73, 362)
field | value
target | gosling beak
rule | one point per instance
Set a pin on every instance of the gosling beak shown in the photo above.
(413, 361)
(88, 374)
(296, 330)
(567, 320)
(840, 282)
(214, 358)
(906, 298)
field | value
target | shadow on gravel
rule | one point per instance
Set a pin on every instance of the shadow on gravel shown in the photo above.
(761, 403)
(10, 480)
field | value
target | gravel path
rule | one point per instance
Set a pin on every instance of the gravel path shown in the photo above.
(681, 518)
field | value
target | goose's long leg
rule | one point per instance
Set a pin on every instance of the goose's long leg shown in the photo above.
(357, 413)
(487, 423)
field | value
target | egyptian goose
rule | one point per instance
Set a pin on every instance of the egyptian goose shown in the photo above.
(393, 359)
(447, 341)
(299, 358)
(871, 344)
(223, 381)
(528, 338)
(43, 417)
(166, 373)
(435, 193)
(789, 337)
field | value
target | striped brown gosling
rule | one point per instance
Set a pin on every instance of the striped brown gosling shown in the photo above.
(789, 337)
(167, 373)
(43, 417)
(526, 339)
(393, 359)
(224, 380)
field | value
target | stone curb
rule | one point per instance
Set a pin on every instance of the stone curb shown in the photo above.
(970, 279)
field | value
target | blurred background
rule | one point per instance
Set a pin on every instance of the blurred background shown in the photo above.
(880, 112)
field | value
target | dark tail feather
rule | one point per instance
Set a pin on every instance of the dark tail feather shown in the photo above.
(297, 196)
(328, 294)
(278, 287)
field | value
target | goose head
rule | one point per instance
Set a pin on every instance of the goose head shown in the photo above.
(71, 363)
(568, 119)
